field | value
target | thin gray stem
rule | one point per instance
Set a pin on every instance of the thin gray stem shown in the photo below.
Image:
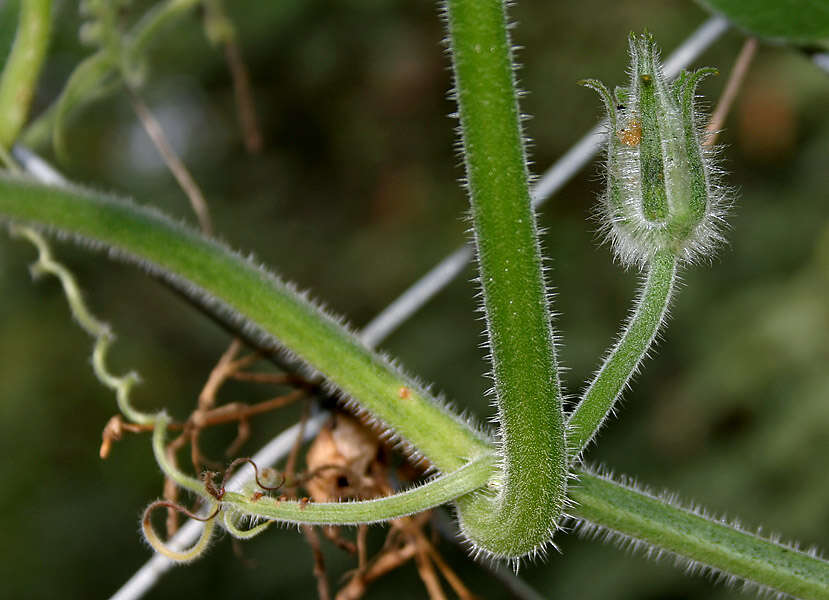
(553, 179)
(37, 167)
(410, 301)
(821, 59)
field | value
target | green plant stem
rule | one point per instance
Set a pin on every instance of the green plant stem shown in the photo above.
(156, 243)
(440, 490)
(623, 360)
(250, 299)
(230, 525)
(22, 68)
(191, 484)
(100, 73)
(627, 514)
(522, 516)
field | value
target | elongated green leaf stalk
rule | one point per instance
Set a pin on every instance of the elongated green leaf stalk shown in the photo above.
(255, 301)
(603, 503)
(638, 519)
(521, 514)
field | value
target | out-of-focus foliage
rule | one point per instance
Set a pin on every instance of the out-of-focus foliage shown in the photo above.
(795, 21)
(354, 196)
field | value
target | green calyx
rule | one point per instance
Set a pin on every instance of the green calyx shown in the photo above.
(662, 193)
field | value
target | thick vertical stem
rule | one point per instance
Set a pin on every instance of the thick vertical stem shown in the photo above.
(521, 516)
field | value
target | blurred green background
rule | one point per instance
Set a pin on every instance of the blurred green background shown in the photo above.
(354, 196)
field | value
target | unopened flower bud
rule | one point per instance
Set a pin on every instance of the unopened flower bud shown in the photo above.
(661, 192)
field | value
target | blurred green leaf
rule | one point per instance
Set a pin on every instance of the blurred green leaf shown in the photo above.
(795, 21)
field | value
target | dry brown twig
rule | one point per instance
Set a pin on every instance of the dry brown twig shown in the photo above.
(220, 31)
(353, 458)
(173, 162)
(347, 461)
(732, 86)
(208, 414)
(245, 107)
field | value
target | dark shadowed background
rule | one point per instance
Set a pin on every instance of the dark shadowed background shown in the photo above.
(354, 196)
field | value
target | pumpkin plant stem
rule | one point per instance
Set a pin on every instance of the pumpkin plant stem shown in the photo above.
(529, 492)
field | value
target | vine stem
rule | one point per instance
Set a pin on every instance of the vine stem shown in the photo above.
(553, 179)
(619, 516)
(628, 511)
(530, 489)
(253, 301)
(438, 491)
(636, 518)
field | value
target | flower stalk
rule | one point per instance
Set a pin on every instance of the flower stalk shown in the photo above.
(662, 207)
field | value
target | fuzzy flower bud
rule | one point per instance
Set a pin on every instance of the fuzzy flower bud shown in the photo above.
(661, 192)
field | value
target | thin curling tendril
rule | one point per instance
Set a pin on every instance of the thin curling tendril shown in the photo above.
(219, 493)
(122, 385)
(180, 556)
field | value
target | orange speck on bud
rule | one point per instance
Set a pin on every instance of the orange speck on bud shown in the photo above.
(632, 134)
(404, 393)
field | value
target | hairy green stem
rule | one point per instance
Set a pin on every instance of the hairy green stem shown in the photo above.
(530, 490)
(440, 490)
(252, 300)
(607, 504)
(22, 68)
(232, 527)
(623, 360)
(191, 484)
(627, 515)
